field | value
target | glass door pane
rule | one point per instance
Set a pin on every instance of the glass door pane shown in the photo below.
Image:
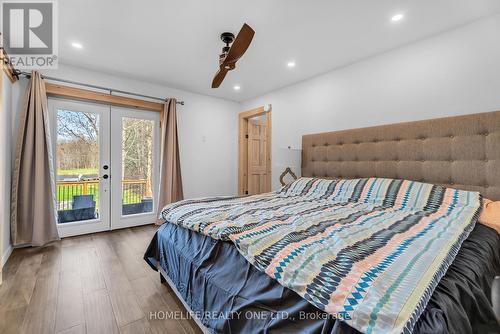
(77, 173)
(134, 156)
(80, 136)
(137, 165)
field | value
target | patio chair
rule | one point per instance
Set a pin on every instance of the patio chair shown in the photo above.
(83, 207)
(83, 202)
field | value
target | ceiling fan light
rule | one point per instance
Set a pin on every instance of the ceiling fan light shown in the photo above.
(227, 61)
(397, 17)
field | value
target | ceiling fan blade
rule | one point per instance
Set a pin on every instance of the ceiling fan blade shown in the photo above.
(240, 44)
(219, 77)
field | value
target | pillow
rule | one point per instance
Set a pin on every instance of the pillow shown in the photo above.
(490, 216)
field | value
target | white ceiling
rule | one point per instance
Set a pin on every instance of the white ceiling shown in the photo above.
(176, 42)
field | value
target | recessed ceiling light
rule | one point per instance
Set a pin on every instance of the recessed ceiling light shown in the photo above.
(397, 17)
(236, 87)
(291, 64)
(77, 45)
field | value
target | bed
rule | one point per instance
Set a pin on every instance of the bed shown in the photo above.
(228, 290)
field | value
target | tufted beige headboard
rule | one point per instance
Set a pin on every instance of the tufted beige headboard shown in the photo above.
(461, 152)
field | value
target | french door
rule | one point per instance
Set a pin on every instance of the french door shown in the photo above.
(135, 160)
(106, 162)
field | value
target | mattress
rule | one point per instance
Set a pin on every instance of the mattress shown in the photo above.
(229, 295)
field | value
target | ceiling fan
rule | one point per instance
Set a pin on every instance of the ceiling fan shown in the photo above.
(231, 54)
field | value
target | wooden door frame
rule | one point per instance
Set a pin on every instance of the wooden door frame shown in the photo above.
(2, 222)
(63, 91)
(243, 118)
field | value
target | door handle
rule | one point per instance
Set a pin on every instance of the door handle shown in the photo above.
(105, 176)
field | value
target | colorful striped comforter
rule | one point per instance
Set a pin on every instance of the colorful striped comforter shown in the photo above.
(367, 251)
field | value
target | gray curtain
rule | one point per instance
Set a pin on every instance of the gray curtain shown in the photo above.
(33, 202)
(170, 165)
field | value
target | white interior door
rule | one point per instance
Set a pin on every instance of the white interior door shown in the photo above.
(135, 166)
(81, 153)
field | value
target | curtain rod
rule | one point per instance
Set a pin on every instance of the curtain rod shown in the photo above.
(111, 90)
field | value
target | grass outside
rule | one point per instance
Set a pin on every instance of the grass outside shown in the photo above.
(66, 192)
(66, 195)
(77, 171)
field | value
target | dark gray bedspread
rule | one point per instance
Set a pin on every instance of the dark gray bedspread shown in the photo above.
(231, 296)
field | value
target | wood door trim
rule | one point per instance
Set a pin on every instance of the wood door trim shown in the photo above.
(99, 97)
(7, 66)
(1, 113)
(243, 147)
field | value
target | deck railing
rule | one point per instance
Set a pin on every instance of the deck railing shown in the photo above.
(133, 191)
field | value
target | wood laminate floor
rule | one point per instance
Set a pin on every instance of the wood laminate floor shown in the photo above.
(95, 283)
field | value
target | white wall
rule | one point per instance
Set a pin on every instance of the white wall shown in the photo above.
(207, 130)
(5, 168)
(454, 73)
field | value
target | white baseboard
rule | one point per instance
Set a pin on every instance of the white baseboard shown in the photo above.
(5, 255)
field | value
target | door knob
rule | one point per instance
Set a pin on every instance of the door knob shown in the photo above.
(105, 167)
(105, 176)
